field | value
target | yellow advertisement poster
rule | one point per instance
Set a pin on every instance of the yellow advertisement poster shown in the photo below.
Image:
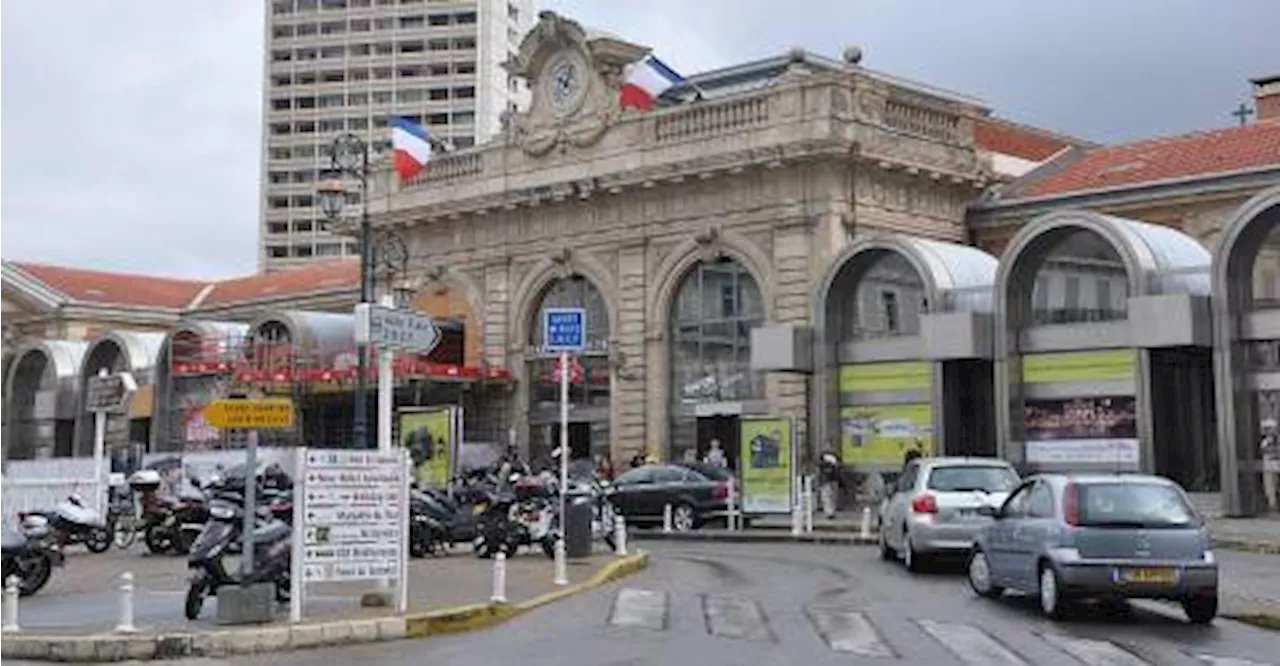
(766, 464)
(882, 434)
(428, 434)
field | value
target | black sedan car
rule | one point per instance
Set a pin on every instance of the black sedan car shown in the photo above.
(695, 493)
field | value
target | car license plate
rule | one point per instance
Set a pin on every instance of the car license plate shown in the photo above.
(1149, 576)
(477, 509)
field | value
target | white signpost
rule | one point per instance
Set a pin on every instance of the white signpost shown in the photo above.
(564, 330)
(352, 507)
(105, 393)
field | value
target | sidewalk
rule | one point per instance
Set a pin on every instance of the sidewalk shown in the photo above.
(73, 618)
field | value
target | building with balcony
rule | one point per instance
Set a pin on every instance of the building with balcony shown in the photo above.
(347, 66)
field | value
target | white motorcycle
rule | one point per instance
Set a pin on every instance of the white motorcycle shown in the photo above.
(71, 522)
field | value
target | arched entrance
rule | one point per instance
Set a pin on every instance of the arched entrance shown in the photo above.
(121, 351)
(1246, 291)
(196, 364)
(716, 305)
(1103, 354)
(42, 399)
(589, 399)
(900, 356)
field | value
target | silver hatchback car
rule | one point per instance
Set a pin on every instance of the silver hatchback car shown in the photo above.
(1104, 536)
(935, 506)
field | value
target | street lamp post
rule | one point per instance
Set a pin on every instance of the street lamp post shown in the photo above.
(350, 155)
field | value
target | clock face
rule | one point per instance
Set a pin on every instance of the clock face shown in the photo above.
(566, 82)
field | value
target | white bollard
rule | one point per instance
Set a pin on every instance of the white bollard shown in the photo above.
(126, 604)
(864, 530)
(666, 519)
(796, 511)
(808, 504)
(562, 568)
(731, 506)
(499, 579)
(11, 604)
(620, 536)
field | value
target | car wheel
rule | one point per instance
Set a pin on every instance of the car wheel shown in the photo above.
(910, 558)
(886, 551)
(1201, 610)
(1050, 593)
(683, 518)
(979, 574)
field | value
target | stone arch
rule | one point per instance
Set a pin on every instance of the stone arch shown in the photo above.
(673, 269)
(1238, 417)
(137, 352)
(198, 350)
(42, 398)
(528, 295)
(434, 294)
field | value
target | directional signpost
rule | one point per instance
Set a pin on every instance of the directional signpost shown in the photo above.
(104, 394)
(564, 330)
(353, 510)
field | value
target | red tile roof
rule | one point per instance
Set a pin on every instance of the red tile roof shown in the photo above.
(1007, 137)
(287, 282)
(108, 288)
(1165, 158)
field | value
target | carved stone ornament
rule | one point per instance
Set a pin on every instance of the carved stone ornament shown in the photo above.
(573, 74)
(563, 260)
(710, 247)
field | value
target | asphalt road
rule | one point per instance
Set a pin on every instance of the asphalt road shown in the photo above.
(758, 604)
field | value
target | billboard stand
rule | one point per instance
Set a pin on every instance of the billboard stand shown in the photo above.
(768, 458)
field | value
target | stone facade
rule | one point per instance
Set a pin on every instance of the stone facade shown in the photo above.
(777, 176)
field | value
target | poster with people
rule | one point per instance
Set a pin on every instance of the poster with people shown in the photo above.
(1082, 430)
(883, 434)
(430, 434)
(766, 459)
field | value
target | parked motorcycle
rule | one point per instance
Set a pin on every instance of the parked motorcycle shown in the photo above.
(71, 522)
(427, 534)
(28, 556)
(272, 553)
(603, 517)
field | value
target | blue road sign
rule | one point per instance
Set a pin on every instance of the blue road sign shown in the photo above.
(564, 329)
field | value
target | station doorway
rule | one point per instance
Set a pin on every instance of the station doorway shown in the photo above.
(723, 428)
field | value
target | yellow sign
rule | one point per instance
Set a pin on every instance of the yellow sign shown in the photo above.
(239, 413)
(1080, 366)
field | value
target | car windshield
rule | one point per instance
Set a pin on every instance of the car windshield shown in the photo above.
(982, 478)
(1134, 505)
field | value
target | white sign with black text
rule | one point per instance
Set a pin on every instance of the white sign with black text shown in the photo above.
(351, 509)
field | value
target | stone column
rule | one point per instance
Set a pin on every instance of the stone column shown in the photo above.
(788, 392)
(628, 379)
(496, 350)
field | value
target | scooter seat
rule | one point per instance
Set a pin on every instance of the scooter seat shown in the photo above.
(272, 531)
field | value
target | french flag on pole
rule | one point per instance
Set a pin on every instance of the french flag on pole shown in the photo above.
(411, 148)
(644, 81)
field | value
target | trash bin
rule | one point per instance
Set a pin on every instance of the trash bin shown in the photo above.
(577, 528)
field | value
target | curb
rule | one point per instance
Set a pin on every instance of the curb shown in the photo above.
(1263, 619)
(219, 644)
(1239, 545)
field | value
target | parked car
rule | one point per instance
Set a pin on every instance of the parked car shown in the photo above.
(1104, 536)
(640, 494)
(934, 508)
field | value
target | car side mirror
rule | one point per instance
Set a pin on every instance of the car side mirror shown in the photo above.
(989, 511)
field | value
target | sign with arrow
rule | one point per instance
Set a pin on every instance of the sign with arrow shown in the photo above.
(354, 514)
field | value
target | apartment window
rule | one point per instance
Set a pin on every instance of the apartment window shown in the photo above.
(358, 75)
(278, 202)
(438, 70)
(410, 72)
(1103, 294)
(333, 125)
(333, 4)
(304, 176)
(384, 48)
(333, 76)
(513, 13)
(280, 153)
(465, 92)
(303, 226)
(412, 22)
(329, 250)
(360, 3)
(306, 5)
(464, 43)
(382, 73)
(329, 101)
(384, 23)
(280, 129)
(306, 127)
(277, 228)
(464, 142)
(281, 103)
(282, 31)
(357, 123)
(285, 7)
(306, 78)
(410, 2)
(1040, 295)
(302, 201)
(306, 29)
(332, 52)
(307, 102)
(1071, 298)
(360, 25)
(351, 248)
(466, 18)
(302, 250)
(437, 94)
(382, 97)
(357, 99)
(464, 67)
(282, 80)
(415, 46)
(359, 50)
(438, 19)
(278, 177)
(889, 310)
(277, 251)
(438, 119)
(306, 54)
(304, 151)
(410, 95)
(464, 117)
(333, 28)
(281, 55)
(438, 45)
(381, 120)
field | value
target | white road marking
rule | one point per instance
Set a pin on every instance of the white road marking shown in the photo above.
(972, 645)
(849, 631)
(1093, 652)
(639, 608)
(1210, 660)
(735, 617)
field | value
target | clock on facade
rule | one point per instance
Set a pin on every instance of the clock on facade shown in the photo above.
(565, 81)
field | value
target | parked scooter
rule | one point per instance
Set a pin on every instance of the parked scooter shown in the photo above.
(28, 556)
(271, 553)
(71, 522)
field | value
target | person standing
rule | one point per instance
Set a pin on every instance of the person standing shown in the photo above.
(1269, 452)
(715, 455)
(828, 482)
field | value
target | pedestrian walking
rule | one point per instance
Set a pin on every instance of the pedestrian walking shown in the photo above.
(828, 482)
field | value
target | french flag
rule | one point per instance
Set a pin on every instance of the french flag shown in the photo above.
(411, 147)
(644, 81)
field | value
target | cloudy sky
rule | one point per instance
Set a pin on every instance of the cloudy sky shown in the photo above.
(130, 129)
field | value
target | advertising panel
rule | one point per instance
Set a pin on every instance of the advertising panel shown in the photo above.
(1080, 366)
(766, 455)
(431, 436)
(882, 434)
(1094, 430)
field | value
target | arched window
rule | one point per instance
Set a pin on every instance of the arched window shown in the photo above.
(888, 301)
(716, 307)
(1083, 279)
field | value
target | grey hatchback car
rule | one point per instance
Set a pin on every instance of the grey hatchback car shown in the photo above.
(1104, 536)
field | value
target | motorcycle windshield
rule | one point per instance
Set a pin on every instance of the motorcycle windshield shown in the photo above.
(214, 533)
(73, 513)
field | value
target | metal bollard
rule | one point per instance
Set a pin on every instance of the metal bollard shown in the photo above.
(620, 536)
(666, 519)
(808, 504)
(796, 511)
(499, 579)
(126, 604)
(864, 530)
(11, 604)
(562, 568)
